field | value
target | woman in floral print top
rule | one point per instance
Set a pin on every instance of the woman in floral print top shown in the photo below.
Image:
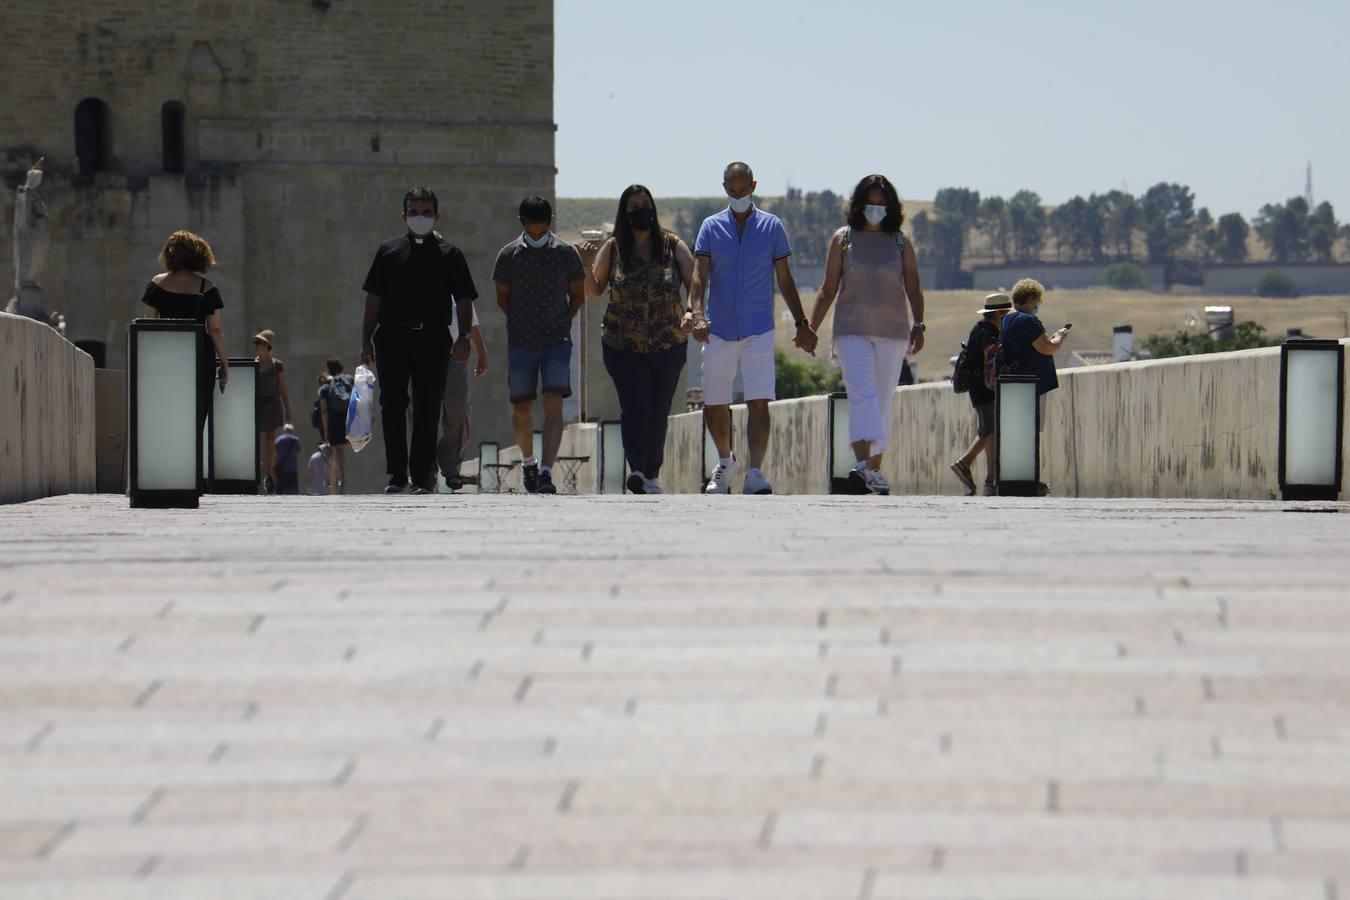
(646, 326)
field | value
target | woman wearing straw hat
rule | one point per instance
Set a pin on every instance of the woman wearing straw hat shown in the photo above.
(274, 404)
(984, 334)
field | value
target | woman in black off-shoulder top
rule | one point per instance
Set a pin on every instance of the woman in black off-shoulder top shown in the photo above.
(182, 292)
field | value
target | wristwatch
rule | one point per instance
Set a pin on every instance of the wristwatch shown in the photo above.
(803, 323)
(919, 326)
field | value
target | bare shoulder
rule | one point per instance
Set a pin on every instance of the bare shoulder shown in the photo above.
(208, 285)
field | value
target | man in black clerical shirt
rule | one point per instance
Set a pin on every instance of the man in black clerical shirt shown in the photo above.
(406, 332)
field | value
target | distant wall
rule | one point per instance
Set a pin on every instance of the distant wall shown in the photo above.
(1309, 278)
(1064, 276)
(46, 413)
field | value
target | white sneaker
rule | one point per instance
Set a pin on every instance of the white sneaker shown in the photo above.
(653, 486)
(756, 483)
(876, 484)
(720, 482)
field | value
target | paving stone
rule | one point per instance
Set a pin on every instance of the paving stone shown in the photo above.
(589, 698)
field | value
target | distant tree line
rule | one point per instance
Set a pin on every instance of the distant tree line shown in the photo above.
(1162, 227)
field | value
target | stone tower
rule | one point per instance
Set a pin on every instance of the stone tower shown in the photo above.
(285, 132)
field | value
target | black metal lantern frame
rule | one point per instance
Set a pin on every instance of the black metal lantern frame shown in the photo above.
(157, 498)
(1018, 487)
(1332, 489)
(218, 485)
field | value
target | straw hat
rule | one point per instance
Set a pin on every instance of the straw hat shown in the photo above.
(997, 303)
(266, 336)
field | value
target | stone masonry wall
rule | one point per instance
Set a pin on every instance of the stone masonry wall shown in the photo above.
(303, 129)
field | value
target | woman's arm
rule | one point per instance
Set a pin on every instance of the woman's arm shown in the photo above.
(1049, 345)
(285, 395)
(909, 265)
(218, 339)
(684, 264)
(834, 271)
(597, 273)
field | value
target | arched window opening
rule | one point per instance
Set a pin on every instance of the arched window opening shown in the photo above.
(172, 118)
(93, 136)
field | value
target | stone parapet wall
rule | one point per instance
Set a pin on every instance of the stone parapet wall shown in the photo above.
(1199, 427)
(46, 413)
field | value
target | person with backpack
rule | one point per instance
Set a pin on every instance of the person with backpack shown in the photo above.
(333, 399)
(976, 374)
(873, 269)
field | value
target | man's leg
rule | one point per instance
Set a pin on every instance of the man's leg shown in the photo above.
(719, 359)
(522, 426)
(428, 387)
(553, 429)
(454, 422)
(759, 424)
(392, 367)
(340, 468)
(757, 369)
(666, 367)
(556, 373)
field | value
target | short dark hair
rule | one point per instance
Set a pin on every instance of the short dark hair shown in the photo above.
(536, 210)
(737, 168)
(334, 365)
(422, 193)
(895, 210)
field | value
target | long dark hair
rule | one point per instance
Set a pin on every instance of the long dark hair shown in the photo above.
(895, 210)
(623, 230)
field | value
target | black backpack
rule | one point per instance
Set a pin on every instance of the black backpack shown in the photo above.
(314, 417)
(339, 394)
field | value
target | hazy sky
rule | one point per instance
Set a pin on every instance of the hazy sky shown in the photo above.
(1063, 97)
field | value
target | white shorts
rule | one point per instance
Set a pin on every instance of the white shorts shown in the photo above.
(755, 354)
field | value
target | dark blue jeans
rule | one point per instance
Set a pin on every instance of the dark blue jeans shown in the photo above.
(646, 384)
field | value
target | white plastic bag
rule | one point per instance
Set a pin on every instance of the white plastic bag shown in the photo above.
(361, 409)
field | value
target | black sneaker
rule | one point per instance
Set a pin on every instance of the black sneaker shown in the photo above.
(421, 490)
(395, 485)
(529, 475)
(857, 482)
(546, 483)
(636, 484)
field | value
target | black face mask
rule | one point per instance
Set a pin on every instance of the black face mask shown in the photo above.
(642, 219)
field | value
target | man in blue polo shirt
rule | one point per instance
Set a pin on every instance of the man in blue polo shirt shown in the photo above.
(737, 255)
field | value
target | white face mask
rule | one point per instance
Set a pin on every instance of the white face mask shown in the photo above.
(874, 214)
(421, 225)
(741, 204)
(538, 243)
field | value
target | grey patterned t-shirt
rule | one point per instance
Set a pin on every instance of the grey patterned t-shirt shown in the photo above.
(539, 314)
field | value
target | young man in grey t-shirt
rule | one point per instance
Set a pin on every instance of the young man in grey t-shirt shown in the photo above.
(541, 287)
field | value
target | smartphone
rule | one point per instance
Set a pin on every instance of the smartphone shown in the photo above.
(1067, 326)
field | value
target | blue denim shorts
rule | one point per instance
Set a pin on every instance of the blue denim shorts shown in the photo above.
(527, 367)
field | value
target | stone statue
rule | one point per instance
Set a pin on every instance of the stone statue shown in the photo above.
(32, 240)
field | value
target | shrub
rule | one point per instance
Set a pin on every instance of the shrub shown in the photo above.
(1125, 276)
(804, 379)
(1276, 284)
(1246, 336)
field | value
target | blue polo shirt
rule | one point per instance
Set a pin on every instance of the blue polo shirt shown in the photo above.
(740, 284)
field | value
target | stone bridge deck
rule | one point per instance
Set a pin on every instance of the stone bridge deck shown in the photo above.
(675, 698)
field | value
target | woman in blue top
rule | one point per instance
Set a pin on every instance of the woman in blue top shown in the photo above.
(1027, 349)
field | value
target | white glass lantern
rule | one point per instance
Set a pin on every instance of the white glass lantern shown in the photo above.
(1312, 411)
(1018, 461)
(841, 448)
(232, 445)
(165, 452)
(611, 459)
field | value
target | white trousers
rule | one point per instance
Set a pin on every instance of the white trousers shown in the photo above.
(871, 374)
